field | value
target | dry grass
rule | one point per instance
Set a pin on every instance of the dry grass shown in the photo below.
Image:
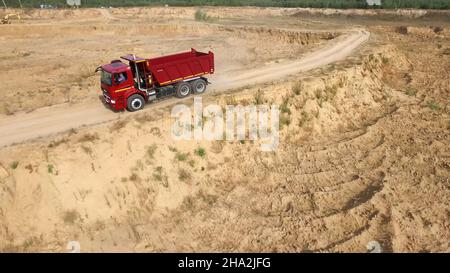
(56, 143)
(151, 151)
(118, 125)
(285, 120)
(134, 177)
(303, 119)
(297, 88)
(181, 156)
(259, 97)
(86, 149)
(184, 175)
(284, 107)
(155, 131)
(217, 146)
(203, 16)
(160, 175)
(89, 137)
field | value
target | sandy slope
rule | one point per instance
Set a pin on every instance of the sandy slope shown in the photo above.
(52, 120)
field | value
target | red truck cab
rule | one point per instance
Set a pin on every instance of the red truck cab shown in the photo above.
(117, 84)
(131, 85)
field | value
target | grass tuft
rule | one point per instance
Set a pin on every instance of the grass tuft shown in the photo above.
(201, 152)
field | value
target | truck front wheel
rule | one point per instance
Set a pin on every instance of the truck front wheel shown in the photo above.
(199, 86)
(183, 89)
(135, 102)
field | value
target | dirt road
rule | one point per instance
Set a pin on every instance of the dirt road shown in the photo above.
(52, 120)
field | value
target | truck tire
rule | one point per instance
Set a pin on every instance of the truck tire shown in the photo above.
(183, 89)
(135, 102)
(199, 86)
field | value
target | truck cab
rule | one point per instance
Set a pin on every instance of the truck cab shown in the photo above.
(118, 83)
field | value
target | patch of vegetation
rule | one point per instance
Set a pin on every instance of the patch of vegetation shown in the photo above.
(155, 131)
(160, 175)
(29, 167)
(285, 120)
(184, 175)
(284, 107)
(134, 177)
(259, 97)
(411, 91)
(33, 241)
(330, 91)
(303, 119)
(181, 156)
(151, 151)
(230, 100)
(297, 88)
(173, 149)
(209, 199)
(201, 152)
(203, 16)
(402, 30)
(14, 165)
(438, 29)
(56, 143)
(70, 216)
(50, 168)
(89, 137)
(433, 105)
(86, 149)
(446, 51)
(217, 146)
(118, 125)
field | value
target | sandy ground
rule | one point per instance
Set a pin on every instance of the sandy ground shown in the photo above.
(364, 150)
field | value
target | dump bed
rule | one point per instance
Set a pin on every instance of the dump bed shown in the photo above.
(172, 68)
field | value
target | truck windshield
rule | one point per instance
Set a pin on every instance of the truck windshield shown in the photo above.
(106, 78)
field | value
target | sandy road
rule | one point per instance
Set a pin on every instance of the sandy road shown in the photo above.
(56, 119)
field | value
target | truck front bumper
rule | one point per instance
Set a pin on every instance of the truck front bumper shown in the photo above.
(113, 104)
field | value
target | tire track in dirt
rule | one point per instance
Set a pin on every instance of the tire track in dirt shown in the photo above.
(341, 187)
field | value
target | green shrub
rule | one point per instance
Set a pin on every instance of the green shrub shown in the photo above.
(200, 152)
(297, 88)
(202, 16)
(433, 105)
(14, 165)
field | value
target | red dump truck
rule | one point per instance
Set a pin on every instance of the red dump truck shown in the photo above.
(142, 80)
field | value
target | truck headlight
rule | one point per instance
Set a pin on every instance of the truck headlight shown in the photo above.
(113, 101)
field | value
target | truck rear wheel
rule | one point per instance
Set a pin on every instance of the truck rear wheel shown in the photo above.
(183, 89)
(199, 86)
(135, 102)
